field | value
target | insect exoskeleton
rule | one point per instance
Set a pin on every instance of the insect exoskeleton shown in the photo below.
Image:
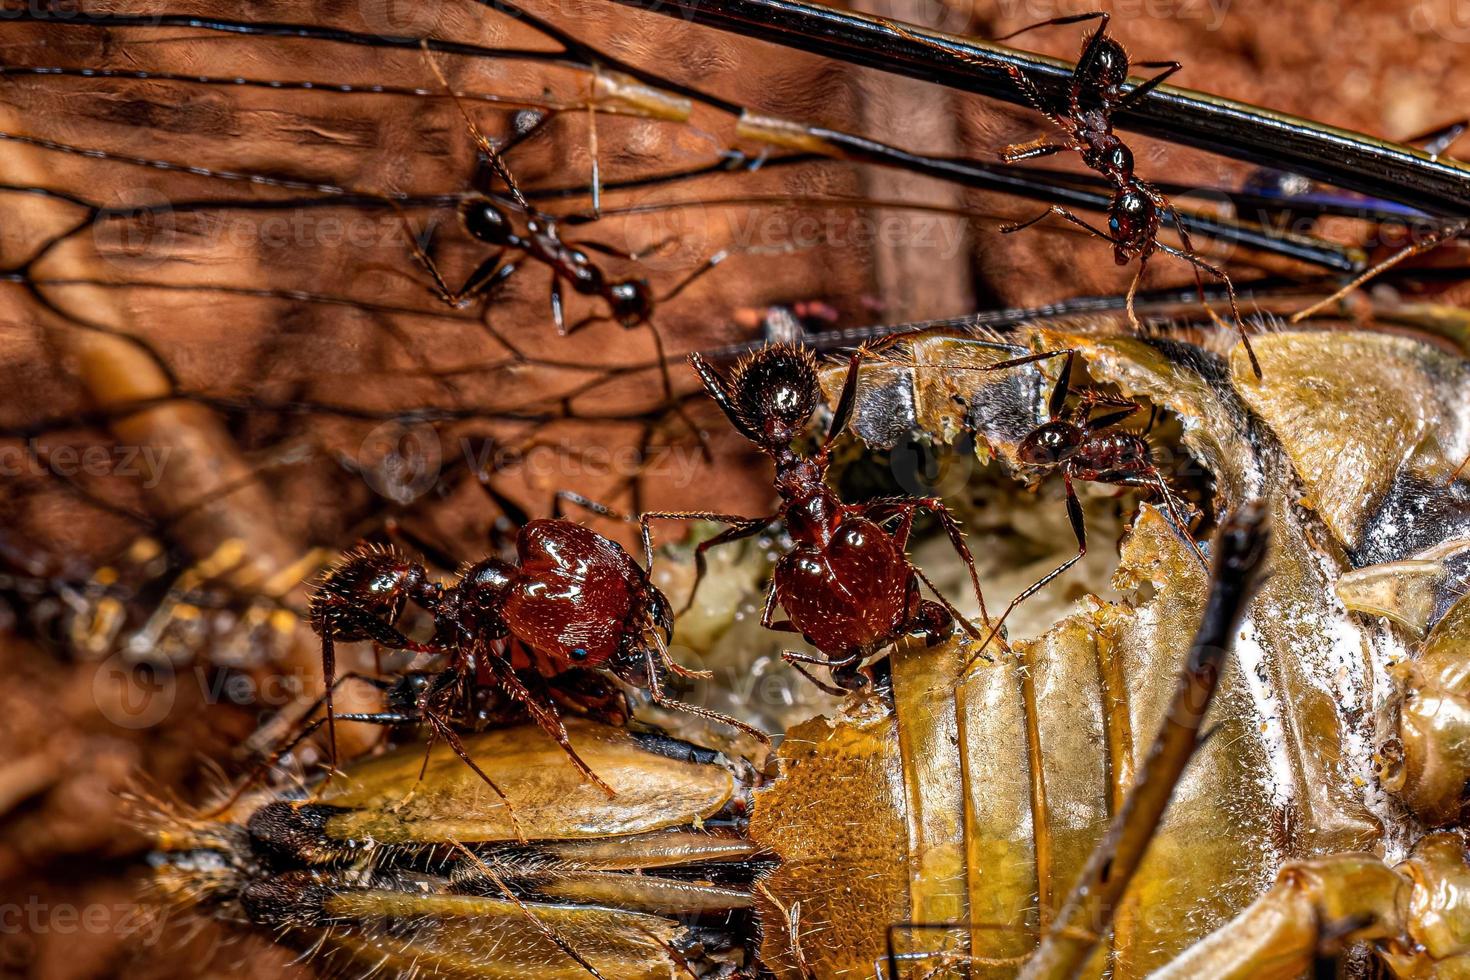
(1286, 838)
(381, 870)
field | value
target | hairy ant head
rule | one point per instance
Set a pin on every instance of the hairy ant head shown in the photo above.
(774, 392)
(371, 581)
(1051, 443)
(486, 222)
(631, 301)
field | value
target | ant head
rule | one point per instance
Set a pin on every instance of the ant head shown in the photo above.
(480, 596)
(1051, 443)
(631, 301)
(486, 222)
(404, 694)
(1132, 221)
(774, 392)
(1106, 70)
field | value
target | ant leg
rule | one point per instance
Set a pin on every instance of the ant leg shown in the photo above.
(1079, 530)
(956, 536)
(1018, 77)
(657, 695)
(1128, 101)
(1192, 257)
(558, 311)
(1061, 212)
(1061, 21)
(768, 613)
(442, 729)
(492, 155)
(791, 657)
(1195, 260)
(688, 280)
(1058, 398)
(842, 414)
(1133, 291)
(1431, 241)
(547, 718)
(603, 510)
(667, 382)
(741, 527)
(716, 389)
(1042, 147)
(1155, 481)
(306, 731)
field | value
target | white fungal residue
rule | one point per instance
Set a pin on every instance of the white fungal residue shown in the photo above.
(1250, 656)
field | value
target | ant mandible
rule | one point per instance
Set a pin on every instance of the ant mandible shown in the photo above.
(572, 601)
(1086, 125)
(1082, 446)
(847, 586)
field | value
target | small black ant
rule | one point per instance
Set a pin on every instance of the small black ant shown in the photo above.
(847, 585)
(1086, 126)
(630, 302)
(1083, 446)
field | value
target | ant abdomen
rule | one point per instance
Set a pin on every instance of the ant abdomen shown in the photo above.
(853, 594)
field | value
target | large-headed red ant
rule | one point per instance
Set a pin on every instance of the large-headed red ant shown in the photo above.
(1083, 446)
(847, 585)
(1086, 126)
(573, 601)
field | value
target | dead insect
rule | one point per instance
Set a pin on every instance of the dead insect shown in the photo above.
(847, 586)
(573, 601)
(404, 864)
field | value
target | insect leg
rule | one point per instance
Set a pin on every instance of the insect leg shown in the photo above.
(1127, 101)
(656, 693)
(546, 717)
(741, 527)
(1058, 399)
(1079, 530)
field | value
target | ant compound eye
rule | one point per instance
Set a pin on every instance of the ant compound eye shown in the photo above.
(777, 384)
(577, 654)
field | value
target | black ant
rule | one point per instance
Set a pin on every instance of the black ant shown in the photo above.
(630, 302)
(1083, 446)
(847, 585)
(1086, 125)
(573, 601)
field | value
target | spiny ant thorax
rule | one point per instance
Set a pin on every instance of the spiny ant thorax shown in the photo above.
(775, 391)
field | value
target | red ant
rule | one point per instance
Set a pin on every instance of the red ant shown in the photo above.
(572, 601)
(1082, 446)
(1086, 125)
(847, 586)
